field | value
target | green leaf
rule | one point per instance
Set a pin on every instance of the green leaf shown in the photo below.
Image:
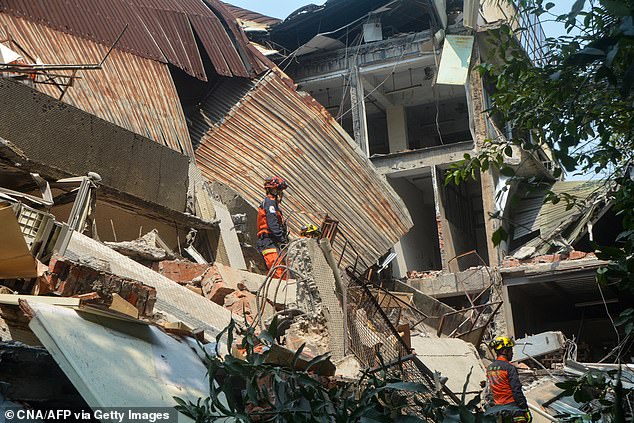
(507, 171)
(409, 419)
(465, 415)
(576, 8)
(625, 317)
(616, 8)
(628, 81)
(319, 359)
(297, 355)
(375, 419)
(499, 235)
(465, 386)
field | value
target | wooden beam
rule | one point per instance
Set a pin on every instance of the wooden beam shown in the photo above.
(12, 299)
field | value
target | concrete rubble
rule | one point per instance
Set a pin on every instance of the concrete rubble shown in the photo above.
(129, 233)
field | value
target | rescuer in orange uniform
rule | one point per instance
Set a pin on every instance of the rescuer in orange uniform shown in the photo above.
(504, 383)
(271, 224)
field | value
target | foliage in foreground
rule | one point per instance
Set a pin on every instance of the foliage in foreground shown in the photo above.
(252, 390)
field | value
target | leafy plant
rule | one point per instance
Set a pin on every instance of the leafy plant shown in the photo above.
(576, 105)
(603, 389)
(253, 390)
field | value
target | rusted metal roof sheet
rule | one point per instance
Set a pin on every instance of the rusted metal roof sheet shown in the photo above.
(273, 129)
(251, 16)
(132, 92)
(160, 30)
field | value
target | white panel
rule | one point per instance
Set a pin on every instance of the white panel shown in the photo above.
(113, 363)
(455, 60)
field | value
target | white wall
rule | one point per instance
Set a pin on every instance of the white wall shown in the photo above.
(418, 249)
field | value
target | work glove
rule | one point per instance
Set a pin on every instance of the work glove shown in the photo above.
(529, 416)
(523, 418)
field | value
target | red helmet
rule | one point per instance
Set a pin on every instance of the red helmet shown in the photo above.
(275, 182)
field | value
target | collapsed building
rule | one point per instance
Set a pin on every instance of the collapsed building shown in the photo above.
(133, 149)
(402, 79)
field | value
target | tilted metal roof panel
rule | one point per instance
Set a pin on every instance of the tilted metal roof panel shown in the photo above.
(153, 26)
(186, 37)
(275, 130)
(205, 30)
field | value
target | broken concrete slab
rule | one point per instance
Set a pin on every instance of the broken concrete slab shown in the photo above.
(454, 359)
(431, 307)
(79, 343)
(181, 271)
(328, 281)
(177, 302)
(229, 236)
(233, 277)
(149, 247)
(538, 345)
(448, 284)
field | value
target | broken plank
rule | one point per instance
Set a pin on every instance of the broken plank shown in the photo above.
(122, 306)
(12, 299)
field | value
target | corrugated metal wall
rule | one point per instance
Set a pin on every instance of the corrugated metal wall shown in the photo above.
(276, 130)
(135, 93)
(161, 30)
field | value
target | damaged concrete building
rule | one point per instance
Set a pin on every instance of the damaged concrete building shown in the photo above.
(402, 78)
(134, 140)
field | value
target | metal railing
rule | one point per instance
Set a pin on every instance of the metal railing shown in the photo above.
(532, 36)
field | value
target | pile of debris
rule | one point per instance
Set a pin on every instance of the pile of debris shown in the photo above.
(69, 299)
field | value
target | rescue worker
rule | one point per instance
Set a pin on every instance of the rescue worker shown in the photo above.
(504, 384)
(271, 225)
(310, 231)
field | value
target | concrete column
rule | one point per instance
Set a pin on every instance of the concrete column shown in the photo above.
(445, 240)
(507, 309)
(397, 128)
(475, 101)
(359, 119)
(400, 267)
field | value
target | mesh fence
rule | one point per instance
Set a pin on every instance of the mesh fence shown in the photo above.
(377, 343)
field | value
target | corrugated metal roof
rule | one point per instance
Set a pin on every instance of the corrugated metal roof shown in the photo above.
(160, 30)
(275, 130)
(532, 215)
(132, 92)
(251, 16)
